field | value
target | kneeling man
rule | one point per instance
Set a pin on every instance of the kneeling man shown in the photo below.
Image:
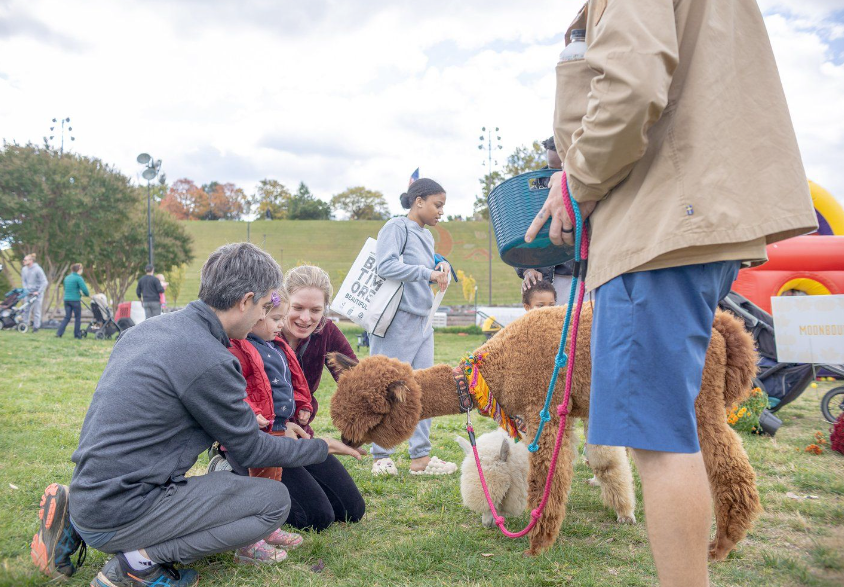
(170, 389)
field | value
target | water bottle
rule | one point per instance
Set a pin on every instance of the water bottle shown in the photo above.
(577, 48)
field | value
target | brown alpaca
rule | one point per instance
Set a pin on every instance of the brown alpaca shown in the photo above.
(380, 400)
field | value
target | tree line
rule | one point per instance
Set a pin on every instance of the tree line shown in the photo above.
(271, 200)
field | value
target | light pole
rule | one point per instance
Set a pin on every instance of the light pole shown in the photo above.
(152, 168)
(61, 131)
(487, 138)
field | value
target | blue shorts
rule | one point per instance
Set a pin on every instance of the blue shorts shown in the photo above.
(650, 332)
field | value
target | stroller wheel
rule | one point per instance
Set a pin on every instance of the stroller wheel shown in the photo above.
(832, 404)
(22, 327)
(100, 336)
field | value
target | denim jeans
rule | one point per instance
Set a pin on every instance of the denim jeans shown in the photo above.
(76, 309)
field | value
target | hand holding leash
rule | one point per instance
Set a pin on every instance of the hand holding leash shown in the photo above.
(562, 224)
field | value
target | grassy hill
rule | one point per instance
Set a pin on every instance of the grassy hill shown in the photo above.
(333, 246)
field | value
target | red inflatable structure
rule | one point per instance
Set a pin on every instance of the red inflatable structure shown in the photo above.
(812, 264)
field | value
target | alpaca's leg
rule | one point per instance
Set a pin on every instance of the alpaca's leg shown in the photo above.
(587, 450)
(732, 482)
(612, 470)
(487, 520)
(547, 528)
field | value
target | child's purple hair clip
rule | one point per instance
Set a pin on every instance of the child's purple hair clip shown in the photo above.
(276, 299)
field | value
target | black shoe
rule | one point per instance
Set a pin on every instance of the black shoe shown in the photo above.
(34, 330)
(56, 539)
(118, 573)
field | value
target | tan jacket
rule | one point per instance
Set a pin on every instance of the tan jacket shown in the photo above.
(676, 121)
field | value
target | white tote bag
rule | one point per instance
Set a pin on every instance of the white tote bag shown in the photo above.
(367, 299)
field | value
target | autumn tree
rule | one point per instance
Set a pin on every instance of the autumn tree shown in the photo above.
(361, 204)
(226, 201)
(186, 201)
(305, 206)
(271, 199)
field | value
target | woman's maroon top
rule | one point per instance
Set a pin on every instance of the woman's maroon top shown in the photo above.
(312, 352)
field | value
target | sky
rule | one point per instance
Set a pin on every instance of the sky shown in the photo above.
(340, 93)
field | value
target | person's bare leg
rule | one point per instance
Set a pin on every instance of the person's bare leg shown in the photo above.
(420, 463)
(678, 515)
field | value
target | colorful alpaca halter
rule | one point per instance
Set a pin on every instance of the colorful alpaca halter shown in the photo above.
(487, 404)
(581, 250)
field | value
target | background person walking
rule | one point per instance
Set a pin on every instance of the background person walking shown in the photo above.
(33, 279)
(149, 291)
(74, 289)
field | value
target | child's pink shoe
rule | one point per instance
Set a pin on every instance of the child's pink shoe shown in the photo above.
(259, 553)
(286, 540)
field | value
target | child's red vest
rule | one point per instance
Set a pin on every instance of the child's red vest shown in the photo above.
(259, 392)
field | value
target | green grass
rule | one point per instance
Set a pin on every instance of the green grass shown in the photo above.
(415, 531)
(333, 245)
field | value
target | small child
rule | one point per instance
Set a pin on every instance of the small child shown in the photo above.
(276, 389)
(540, 295)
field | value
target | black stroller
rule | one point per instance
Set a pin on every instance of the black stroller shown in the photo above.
(12, 316)
(783, 382)
(103, 326)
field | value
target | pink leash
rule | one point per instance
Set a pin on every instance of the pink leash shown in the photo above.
(562, 409)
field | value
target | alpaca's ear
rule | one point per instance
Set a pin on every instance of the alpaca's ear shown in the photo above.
(397, 391)
(464, 444)
(505, 451)
(338, 363)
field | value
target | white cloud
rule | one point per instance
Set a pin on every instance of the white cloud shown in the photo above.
(336, 92)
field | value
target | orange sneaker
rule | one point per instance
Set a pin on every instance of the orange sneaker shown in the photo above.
(56, 539)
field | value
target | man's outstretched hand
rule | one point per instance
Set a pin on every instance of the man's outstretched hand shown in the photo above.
(561, 230)
(335, 447)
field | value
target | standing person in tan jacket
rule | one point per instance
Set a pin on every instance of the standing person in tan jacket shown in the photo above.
(678, 145)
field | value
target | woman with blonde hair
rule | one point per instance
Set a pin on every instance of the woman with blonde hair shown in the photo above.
(325, 492)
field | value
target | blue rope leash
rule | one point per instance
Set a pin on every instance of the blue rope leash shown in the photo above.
(562, 358)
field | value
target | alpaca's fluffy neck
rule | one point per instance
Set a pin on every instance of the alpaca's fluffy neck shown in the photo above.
(439, 392)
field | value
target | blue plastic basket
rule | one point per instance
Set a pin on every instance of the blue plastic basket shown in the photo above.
(513, 204)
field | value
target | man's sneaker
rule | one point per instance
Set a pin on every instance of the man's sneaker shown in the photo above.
(259, 553)
(213, 451)
(218, 463)
(117, 573)
(56, 539)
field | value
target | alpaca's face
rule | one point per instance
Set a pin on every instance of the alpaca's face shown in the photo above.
(377, 401)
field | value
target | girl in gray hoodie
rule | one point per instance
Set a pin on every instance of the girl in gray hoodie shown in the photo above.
(405, 252)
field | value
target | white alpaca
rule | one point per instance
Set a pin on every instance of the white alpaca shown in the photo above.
(505, 465)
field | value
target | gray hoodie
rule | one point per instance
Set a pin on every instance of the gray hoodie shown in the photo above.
(33, 278)
(170, 388)
(415, 266)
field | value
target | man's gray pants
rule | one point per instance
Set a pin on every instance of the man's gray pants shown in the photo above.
(211, 513)
(34, 312)
(152, 309)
